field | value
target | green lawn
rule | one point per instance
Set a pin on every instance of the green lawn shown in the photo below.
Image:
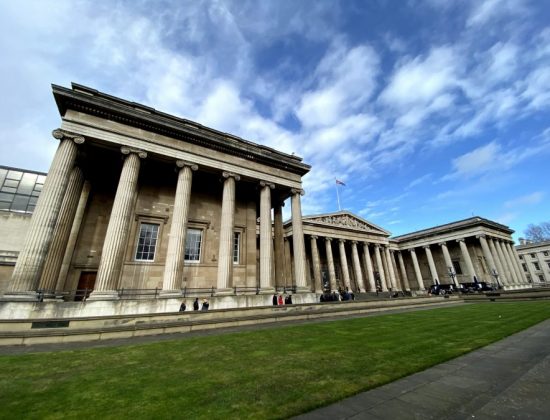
(271, 373)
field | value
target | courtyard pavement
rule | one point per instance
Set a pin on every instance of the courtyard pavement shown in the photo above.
(509, 379)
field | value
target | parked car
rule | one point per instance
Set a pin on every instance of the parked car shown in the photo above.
(475, 287)
(441, 289)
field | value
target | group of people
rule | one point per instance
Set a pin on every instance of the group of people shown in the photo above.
(335, 296)
(279, 299)
(196, 305)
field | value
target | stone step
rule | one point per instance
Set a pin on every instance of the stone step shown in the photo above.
(46, 331)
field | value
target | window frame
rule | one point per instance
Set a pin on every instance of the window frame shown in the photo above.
(237, 235)
(138, 237)
(201, 244)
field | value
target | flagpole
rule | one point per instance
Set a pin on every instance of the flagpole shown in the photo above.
(338, 196)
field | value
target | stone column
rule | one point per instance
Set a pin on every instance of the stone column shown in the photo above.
(73, 237)
(316, 265)
(175, 255)
(448, 262)
(112, 256)
(279, 244)
(406, 284)
(288, 263)
(266, 238)
(500, 267)
(431, 264)
(487, 254)
(357, 267)
(522, 273)
(504, 262)
(227, 225)
(417, 271)
(391, 273)
(368, 265)
(380, 268)
(467, 259)
(514, 262)
(344, 264)
(330, 262)
(400, 284)
(298, 241)
(31, 259)
(58, 246)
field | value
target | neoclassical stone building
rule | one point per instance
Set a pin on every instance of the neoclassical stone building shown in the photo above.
(140, 200)
(535, 261)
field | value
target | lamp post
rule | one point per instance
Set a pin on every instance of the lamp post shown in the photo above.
(452, 274)
(494, 273)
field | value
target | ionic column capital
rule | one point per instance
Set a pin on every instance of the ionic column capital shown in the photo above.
(342, 241)
(61, 134)
(127, 150)
(299, 191)
(481, 235)
(444, 243)
(233, 175)
(354, 242)
(461, 240)
(426, 246)
(314, 237)
(267, 184)
(184, 163)
(412, 250)
(327, 239)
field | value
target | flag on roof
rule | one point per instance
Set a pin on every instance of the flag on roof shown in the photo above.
(340, 182)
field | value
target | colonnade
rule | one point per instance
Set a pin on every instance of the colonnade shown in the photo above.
(44, 255)
(361, 265)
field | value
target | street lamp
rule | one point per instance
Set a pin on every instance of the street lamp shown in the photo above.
(452, 274)
(494, 273)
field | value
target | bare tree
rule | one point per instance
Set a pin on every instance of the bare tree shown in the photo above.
(538, 233)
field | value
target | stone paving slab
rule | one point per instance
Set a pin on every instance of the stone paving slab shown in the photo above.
(509, 379)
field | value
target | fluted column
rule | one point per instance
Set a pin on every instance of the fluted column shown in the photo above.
(298, 241)
(330, 262)
(406, 283)
(504, 262)
(73, 237)
(431, 264)
(380, 268)
(400, 285)
(448, 262)
(53, 262)
(500, 267)
(512, 262)
(112, 256)
(344, 263)
(31, 259)
(175, 255)
(227, 225)
(391, 273)
(522, 278)
(288, 263)
(316, 265)
(266, 238)
(417, 271)
(357, 267)
(368, 265)
(279, 244)
(487, 254)
(467, 259)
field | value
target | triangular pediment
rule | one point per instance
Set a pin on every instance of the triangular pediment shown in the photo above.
(345, 220)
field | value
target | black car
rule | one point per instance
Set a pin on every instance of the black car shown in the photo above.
(475, 287)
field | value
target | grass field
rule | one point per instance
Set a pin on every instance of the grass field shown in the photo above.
(270, 373)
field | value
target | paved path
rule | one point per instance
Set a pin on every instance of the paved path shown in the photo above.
(509, 379)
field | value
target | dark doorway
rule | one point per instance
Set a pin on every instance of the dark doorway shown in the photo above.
(86, 285)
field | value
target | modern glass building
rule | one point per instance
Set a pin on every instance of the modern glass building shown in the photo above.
(19, 189)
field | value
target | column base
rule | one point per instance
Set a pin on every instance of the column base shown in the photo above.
(224, 292)
(21, 296)
(362, 291)
(167, 294)
(103, 295)
(267, 290)
(303, 289)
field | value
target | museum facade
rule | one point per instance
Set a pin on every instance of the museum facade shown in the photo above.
(139, 200)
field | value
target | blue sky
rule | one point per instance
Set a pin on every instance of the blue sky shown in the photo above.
(429, 111)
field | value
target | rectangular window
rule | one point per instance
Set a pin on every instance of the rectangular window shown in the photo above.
(521, 257)
(537, 266)
(548, 264)
(524, 267)
(545, 253)
(147, 242)
(236, 247)
(458, 268)
(533, 256)
(541, 277)
(193, 241)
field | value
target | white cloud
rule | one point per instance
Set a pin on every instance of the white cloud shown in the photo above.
(525, 200)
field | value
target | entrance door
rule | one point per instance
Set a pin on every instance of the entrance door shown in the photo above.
(86, 284)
